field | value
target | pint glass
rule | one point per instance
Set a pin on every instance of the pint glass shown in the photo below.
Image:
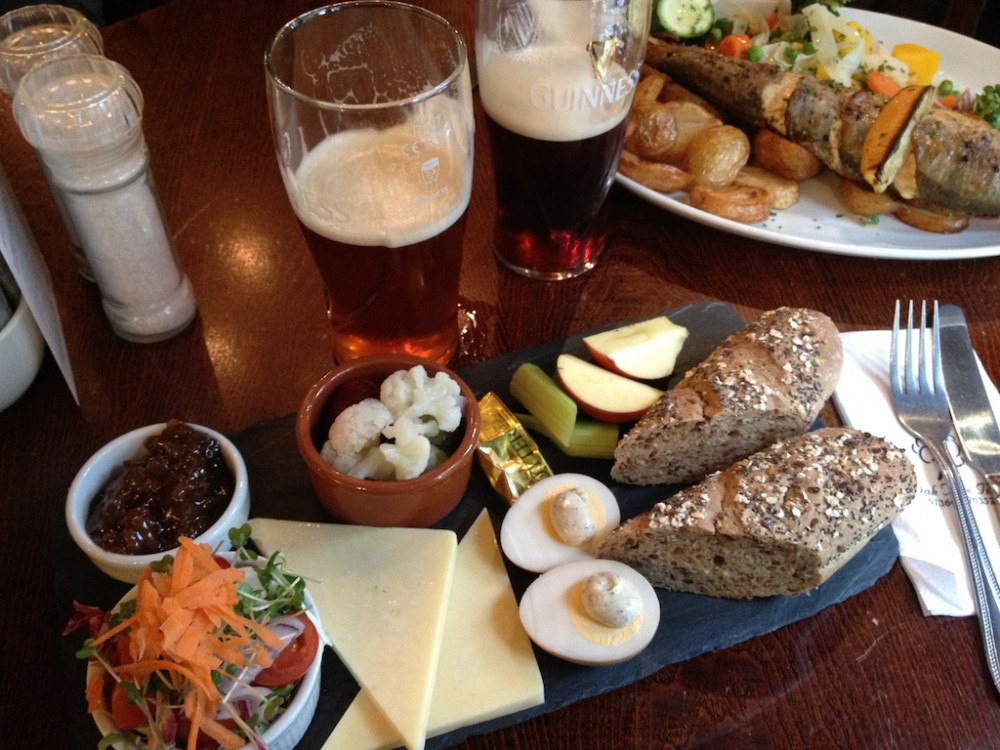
(556, 79)
(371, 112)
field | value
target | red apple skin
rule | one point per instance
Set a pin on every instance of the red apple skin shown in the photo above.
(605, 361)
(607, 416)
(566, 367)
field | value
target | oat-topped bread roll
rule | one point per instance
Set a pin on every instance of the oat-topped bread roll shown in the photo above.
(781, 521)
(765, 383)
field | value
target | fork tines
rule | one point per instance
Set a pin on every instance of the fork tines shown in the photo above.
(914, 374)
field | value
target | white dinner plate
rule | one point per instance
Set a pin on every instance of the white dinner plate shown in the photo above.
(820, 222)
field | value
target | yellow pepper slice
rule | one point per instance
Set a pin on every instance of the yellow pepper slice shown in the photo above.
(922, 62)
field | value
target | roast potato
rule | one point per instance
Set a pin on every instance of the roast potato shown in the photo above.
(782, 192)
(648, 89)
(931, 218)
(655, 175)
(783, 157)
(863, 201)
(672, 91)
(689, 120)
(744, 203)
(716, 154)
(652, 130)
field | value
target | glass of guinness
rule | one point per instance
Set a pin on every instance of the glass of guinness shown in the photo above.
(557, 78)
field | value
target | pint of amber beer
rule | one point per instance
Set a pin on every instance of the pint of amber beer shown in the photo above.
(371, 112)
(557, 79)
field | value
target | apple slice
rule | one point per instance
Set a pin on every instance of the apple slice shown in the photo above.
(646, 350)
(603, 394)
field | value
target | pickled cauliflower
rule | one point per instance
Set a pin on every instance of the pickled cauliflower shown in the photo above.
(401, 434)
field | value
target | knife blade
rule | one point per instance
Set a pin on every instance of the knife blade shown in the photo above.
(971, 411)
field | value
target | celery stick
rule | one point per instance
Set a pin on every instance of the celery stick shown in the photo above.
(589, 439)
(541, 396)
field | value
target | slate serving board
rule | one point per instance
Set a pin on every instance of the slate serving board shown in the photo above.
(690, 624)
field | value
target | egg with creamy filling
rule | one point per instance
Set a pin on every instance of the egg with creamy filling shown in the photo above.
(591, 612)
(557, 520)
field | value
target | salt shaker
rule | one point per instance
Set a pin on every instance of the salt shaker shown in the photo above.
(83, 115)
(34, 34)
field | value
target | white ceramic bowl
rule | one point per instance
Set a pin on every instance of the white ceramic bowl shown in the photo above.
(100, 468)
(22, 348)
(291, 726)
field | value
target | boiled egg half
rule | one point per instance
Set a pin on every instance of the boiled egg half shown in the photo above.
(591, 612)
(558, 519)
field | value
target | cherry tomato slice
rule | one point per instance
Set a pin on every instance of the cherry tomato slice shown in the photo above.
(294, 661)
(122, 645)
(125, 715)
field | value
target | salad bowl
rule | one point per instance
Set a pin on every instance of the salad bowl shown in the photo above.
(284, 733)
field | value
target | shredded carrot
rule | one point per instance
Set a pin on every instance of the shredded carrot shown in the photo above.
(221, 734)
(193, 709)
(182, 573)
(202, 681)
(95, 691)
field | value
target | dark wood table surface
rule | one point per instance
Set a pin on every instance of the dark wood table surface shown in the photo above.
(870, 672)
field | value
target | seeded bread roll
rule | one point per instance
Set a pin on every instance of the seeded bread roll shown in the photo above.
(779, 522)
(765, 383)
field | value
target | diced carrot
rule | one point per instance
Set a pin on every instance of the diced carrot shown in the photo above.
(880, 83)
(948, 101)
(772, 21)
(735, 45)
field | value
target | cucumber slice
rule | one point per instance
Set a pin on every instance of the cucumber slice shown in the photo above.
(685, 18)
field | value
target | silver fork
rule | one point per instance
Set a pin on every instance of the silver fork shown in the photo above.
(922, 408)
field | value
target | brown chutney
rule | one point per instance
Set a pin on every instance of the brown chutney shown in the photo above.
(179, 488)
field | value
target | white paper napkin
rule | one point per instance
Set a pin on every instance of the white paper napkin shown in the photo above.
(930, 539)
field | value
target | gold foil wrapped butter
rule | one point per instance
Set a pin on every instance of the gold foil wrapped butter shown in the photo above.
(507, 453)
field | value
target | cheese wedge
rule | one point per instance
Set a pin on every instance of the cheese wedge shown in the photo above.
(382, 595)
(487, 667)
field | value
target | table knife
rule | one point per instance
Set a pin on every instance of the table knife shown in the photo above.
(977, 428)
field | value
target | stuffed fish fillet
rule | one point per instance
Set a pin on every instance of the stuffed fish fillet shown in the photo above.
(953, 160)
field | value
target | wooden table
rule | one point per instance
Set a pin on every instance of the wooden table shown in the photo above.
(870, 672)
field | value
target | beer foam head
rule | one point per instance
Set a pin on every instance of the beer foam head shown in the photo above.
(391, 187)
(549, 89)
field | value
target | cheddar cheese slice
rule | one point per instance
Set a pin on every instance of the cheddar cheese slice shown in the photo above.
(382, 596)
(487, 667)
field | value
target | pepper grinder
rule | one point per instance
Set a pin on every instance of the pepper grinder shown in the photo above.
(35, 34)
(83, 115)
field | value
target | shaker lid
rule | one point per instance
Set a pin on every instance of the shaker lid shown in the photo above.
(35, 33)
(77, 103)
